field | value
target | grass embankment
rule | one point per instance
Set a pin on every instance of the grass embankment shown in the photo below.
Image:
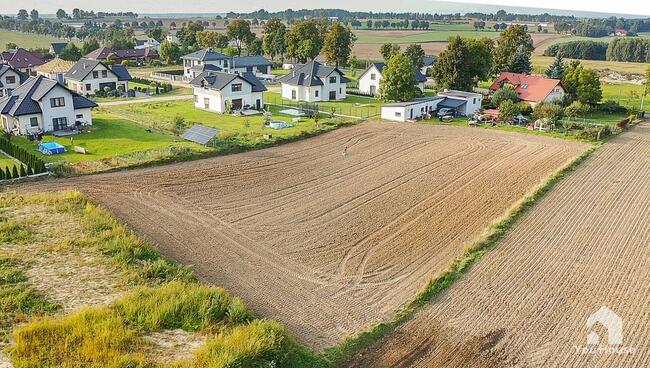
(459, 266)
(165, 296)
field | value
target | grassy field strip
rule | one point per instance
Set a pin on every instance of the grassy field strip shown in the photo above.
(541, 63)
(443, 280)
(30, 40)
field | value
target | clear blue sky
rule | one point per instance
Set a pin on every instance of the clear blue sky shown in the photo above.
(640, 7)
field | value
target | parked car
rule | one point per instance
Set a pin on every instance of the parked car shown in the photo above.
(518, 120)
(445, 111)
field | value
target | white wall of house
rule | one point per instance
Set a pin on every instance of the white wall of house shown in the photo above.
(90, 83)
(316, 93)
(369, 81)
(556, 95)
(50, 113)
(83, 115)
(10, 80)
(59, 77)
(472, 105)
(214, 100)
(408, 112)
(24, 123)
(189, 63)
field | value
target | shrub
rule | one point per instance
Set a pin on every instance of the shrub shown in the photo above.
(505, 93)
(595, 132)
(525, 108)
(612, 107)
(576, 109)
(546, 110)
(508, 110)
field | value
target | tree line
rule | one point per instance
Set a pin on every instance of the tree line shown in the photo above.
(31, 164)
(620, 49)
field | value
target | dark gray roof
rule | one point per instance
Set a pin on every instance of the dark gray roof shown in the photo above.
(413, 101)
(419, 77)
(24, 99)
(57, 47)
(310, 74)
(206, 55)
(82, 68)
(451, 103)
(246, 61)
(121, 71)
(5, 68)
(429, 60)
(219, 80)
(204, 67)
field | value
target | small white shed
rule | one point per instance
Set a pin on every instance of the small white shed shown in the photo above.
(410, 110)
(465, 103)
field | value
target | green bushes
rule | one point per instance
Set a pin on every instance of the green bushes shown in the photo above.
(632, 49)
(34, 165)
(585, 50)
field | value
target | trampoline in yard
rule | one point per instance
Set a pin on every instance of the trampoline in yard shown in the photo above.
(50, 148)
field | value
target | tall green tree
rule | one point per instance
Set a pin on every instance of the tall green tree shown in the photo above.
(416, 54)
(70, 52)
(34, 15)
(508, 43)
(452, 69)
(273, 41)
(520, 62)
(89, 46)
(480, 51)
(582, 84)
(170, 52)
(255, 47)
(338, 44)
(556, 69)
(156, 33)
(22, 14)
(305, 40)
(61, 14)
(387, 50)
(398, 82)
(239, 30)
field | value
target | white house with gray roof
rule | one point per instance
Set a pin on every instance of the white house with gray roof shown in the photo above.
(10, 79)
(88, 76)
(369, 81)
(313, 82)
(214, 91)
(209, 60)
(43, 105)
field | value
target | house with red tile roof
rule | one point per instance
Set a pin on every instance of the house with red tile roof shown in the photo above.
(531, 88)
(620, 32)
(22, 60)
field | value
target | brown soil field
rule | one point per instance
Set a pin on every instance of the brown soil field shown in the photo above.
(585, 245)
(325, 243)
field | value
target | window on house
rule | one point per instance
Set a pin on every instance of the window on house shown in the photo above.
(398, 114)
(104, 73)
(95, 74)
(373, 76)
(316, 93)
(11, 80)
(293, 94)
(206, 103)
(57, 102)
(88, 87)
(332, 79)
(33, 122)
(474, 100)
(196, 98)
(236, 87)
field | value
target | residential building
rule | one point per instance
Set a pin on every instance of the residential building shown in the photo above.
(428, 61)
(149, 43)
(314, 82)
(10, 79)
(137, 56)
(462, 103)
(57, 47)
(88, 76)
(213, 91)
(208, 59)
(171, 37)
(531, 88)
(22, 60)
(43, 105)
(370, 78)
(55, 69)
(620, 32)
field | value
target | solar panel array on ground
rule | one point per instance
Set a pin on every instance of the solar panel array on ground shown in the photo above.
(200, 134)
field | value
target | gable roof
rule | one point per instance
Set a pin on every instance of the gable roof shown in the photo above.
(83, 68)
(121, 72)
(205, 55)
(246, 61)
(21, 58)
(310, 74)
(55, 65)
(419, 77)
(532, 88)
(57, 47)
(219, 80)
(24, 99)
(429, 60)
(99, 54)
(5, 68)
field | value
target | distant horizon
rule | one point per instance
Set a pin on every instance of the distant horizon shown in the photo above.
(195, 8)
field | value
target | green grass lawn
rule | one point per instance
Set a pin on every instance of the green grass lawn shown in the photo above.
(541, 63)
(627, 94)
(280, 72)
(29, 40)
(109, 137)
(161, 115)
(6, 161)
(351, 105)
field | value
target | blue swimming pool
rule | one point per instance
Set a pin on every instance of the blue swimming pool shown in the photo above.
(50, 148)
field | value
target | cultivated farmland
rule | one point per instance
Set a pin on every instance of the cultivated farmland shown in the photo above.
(526, 303)
(325, 243)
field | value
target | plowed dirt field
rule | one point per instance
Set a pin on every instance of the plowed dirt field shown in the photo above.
(585, 246)
(326, 243)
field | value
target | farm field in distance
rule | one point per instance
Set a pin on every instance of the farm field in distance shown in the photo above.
(29, 40)
(325, 243)
(541, 63)
(526, 303)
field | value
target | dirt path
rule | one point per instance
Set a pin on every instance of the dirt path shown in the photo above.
(330, 244)
(584, 246)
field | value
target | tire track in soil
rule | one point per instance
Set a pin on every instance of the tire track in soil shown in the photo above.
(273, 226)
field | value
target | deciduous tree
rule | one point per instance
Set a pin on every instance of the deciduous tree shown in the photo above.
(387, 50)
(273, 41)
(170, 52)
(507, 45)
(338, 44)
(416, 54)
(398, 82)
(239, 30)
(70, 52)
